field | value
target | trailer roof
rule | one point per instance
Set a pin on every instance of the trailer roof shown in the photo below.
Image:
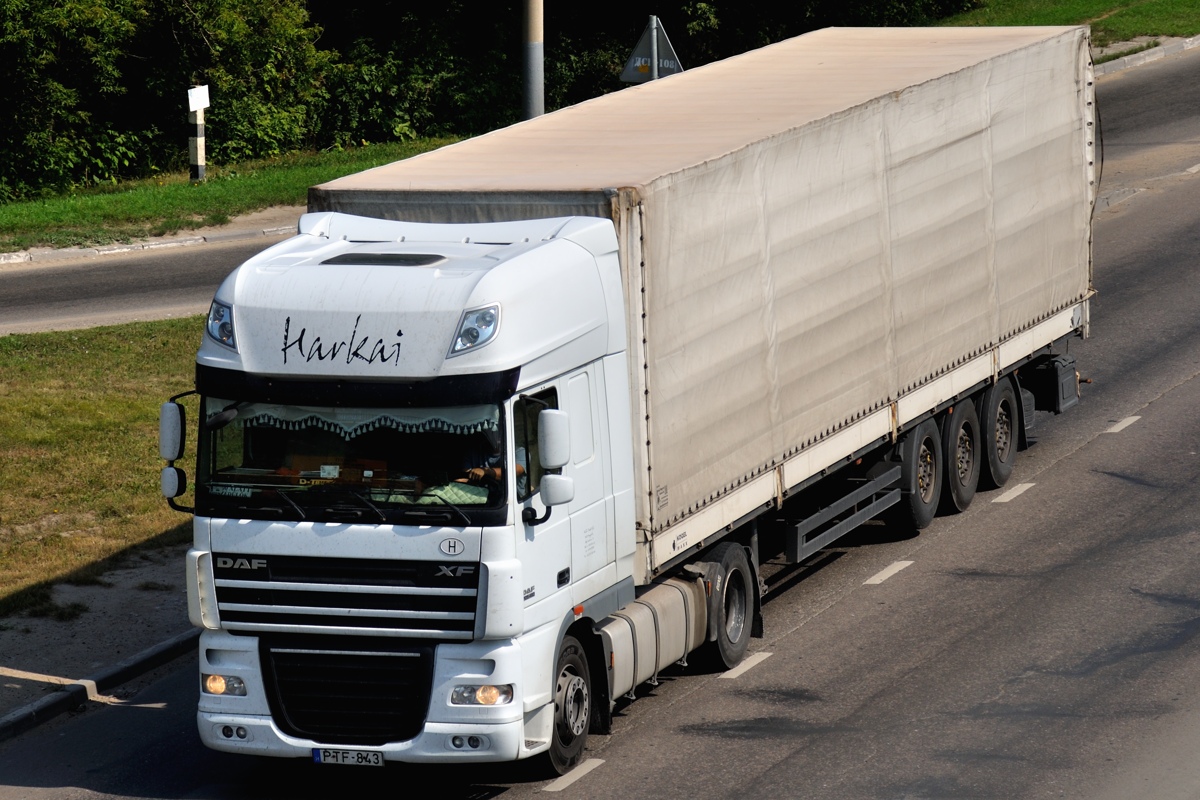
(632, 137)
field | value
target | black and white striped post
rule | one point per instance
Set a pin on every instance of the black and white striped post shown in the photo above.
(197, 102)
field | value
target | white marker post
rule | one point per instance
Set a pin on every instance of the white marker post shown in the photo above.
(197, 102)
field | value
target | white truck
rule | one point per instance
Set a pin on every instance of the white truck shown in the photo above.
(489, 443)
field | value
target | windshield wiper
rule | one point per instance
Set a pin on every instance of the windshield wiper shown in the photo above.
(369, 504)
(447, 504)
(293, 504)
(280, 510)
(337, 492)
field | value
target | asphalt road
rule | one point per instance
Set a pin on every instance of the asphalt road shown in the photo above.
(109, 290)
(1046, 643)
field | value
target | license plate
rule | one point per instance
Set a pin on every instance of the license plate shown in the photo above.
(358, 758)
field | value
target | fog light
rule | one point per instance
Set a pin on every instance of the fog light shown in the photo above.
(230, 685)
(227, 732)
(457, 742)
(241, 732)
(486, 695)
(473, 742)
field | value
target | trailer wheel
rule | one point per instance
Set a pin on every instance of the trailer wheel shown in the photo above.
(960, 443)
(999, 417)
(732, 604)
(920, 476)
(572, 706)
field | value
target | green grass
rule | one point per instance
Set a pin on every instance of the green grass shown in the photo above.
(171, 203)
(79, 423)
(1110, 21)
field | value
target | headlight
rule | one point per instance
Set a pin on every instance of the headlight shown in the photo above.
(228, 685)
(477, 328)
(220, 324)
(486, 695)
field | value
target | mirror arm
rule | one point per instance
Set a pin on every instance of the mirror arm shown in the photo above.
(529, 515)
(185, 509)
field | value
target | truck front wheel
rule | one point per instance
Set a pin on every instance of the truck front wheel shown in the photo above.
(572, 706)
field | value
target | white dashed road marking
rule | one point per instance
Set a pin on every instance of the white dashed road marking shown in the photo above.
(880, 577)
(1122, 425)
(750, 661)
(574, 775)
(1013, 493)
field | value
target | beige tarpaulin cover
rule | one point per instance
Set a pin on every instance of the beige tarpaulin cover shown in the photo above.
(827, 223)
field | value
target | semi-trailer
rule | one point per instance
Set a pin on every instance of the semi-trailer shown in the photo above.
(491, 440)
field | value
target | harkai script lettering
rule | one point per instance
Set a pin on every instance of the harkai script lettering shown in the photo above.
(352, 349)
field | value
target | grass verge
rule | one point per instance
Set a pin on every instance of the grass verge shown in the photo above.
(169, 203)
(1111, 21)
(79, 422)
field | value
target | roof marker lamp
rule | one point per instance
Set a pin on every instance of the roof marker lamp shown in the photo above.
(477, 328)
(220, 324)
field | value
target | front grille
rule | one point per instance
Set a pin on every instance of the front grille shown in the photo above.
(338, 690)
(346, 596)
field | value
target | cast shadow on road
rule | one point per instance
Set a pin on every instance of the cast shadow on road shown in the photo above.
(38, 600)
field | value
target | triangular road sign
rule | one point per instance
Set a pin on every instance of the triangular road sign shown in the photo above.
(639, 68)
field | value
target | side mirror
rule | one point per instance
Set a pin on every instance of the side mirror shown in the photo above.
(556, 490)
(171, 431)
(173, 482)
(554, 438)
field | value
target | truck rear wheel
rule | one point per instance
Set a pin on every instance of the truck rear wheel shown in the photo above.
(920, 476)
(732, 604)
(998, 417)
(572, 706)
(960, 443)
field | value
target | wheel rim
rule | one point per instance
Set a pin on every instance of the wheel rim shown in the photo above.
(1003, 432)
(964, 455)
(571, 701)
(735, 605)
(926, 473)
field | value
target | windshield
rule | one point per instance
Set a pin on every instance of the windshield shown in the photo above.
(372, 465)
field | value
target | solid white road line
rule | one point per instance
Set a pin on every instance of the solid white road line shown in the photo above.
(880, 577)
(33, 676)
(574, 775)
(1122, 425)
(750, 661)
(1012, 493)
(89, 685)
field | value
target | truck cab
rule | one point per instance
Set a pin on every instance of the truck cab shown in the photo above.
(406, 489)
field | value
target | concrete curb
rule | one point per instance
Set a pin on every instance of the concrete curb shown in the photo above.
(75, 694)
(1153, 54)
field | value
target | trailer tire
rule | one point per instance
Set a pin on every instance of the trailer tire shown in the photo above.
(572, 706)
(732, 604)
(920, 476)
(960, 444)
(999, 416)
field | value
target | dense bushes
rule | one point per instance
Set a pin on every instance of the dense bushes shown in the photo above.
(96, 88)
